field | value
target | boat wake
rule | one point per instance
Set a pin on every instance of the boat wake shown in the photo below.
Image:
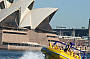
(32, 55)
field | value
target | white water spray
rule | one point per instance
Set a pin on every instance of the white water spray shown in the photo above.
(32, 55)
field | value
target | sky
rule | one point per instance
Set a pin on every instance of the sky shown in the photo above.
(71, 13)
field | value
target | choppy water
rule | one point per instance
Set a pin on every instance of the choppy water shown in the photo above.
(5, 54)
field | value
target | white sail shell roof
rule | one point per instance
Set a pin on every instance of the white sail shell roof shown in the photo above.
(19, 5)
(28, 17)
(26, 21)
(1, 0)
(7, 4)
(36, 16)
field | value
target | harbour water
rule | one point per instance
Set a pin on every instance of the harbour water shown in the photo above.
(5, 54)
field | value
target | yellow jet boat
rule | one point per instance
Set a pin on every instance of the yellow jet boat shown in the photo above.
(58, 53)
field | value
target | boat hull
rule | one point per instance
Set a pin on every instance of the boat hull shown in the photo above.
(56, 54)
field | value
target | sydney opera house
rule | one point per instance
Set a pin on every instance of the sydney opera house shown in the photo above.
(21, 24)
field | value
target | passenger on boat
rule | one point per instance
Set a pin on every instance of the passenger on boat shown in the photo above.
(54, 46)
(67, 48)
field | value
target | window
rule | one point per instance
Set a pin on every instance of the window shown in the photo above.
(11, 1)
(15, 33)
(31, 5)
(52, 36)
(2, 6)
(21, 44)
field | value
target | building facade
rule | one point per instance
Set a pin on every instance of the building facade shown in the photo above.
(20, 23)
